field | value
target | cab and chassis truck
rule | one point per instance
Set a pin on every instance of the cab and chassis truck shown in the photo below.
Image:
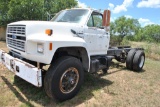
(73, 42)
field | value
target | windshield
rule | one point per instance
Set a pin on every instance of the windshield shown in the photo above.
(72, 16)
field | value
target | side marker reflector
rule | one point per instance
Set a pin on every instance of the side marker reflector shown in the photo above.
(50, 46)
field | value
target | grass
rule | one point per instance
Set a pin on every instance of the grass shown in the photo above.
(118, 88)
(152, 50)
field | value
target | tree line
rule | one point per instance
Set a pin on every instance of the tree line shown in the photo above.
(122, 27)
(15, 10)
(130, 29)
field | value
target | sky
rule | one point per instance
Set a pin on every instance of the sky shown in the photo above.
(146, 11)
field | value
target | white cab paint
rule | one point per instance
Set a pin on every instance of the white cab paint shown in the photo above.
(94, 40)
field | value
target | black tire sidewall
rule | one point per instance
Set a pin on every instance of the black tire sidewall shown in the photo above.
(59, 70)
(137, 60)
(129, 60)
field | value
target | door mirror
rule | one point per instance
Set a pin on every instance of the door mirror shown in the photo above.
(106, 18)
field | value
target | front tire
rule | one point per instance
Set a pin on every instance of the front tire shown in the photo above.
(64, 79)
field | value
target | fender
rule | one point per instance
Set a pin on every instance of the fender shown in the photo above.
(56, 41)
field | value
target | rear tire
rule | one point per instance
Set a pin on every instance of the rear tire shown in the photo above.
(129, 60)
(138, 61)
(64, 79)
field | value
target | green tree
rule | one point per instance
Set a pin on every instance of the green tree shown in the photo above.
(123, 26)
(151, 33)
(25, 10)
(54, 6)
(15, 10)
(139, 36)
(3, 12)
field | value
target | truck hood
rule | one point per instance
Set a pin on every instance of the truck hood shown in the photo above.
(59, 28)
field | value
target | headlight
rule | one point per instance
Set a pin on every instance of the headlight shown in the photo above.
(40, 48)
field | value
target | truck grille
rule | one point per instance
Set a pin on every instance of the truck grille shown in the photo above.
(16, 37)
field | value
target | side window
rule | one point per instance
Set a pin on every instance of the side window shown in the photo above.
(95, 20)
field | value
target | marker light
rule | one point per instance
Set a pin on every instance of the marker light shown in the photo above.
(50, 46)
(49, 32)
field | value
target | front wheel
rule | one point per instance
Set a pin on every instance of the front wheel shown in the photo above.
(64, 79)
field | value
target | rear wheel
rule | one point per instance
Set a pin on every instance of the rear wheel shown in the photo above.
(129, 60)
(138, 60)
(64, 79)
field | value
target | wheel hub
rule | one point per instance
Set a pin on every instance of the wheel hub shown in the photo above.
(69, 80)
(141, 61)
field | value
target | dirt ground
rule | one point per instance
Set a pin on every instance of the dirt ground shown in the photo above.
(118, 88)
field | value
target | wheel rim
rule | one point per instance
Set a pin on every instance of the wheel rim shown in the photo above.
(141, 61)
(69, 80)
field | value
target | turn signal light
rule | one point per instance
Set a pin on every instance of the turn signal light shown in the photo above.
(49, 32)
(50, 46)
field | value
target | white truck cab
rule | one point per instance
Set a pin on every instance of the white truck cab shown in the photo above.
(32, 35)
(74, 41)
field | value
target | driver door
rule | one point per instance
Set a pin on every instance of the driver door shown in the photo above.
(95, 36)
